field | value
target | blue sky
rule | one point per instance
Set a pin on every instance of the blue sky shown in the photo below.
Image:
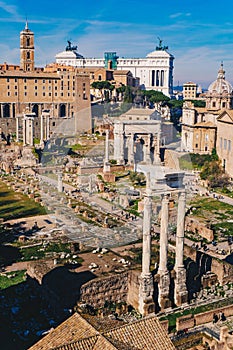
(199, 34)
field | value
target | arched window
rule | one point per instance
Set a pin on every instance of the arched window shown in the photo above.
(28, 41)
(62, 110)
(35, 109)
(28, 55)
(6, 110)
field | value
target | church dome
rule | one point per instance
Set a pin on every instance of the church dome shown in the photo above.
(220, 85)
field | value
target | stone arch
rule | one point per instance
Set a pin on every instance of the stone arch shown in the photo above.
(35, 109)
(62, 110)
(6, 110)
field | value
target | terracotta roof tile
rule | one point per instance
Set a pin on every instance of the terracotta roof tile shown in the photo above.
(146, 334)
(77, 334)
(74, 328)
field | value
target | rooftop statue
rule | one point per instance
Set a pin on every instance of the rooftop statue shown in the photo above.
(160, 47)
(69, 47)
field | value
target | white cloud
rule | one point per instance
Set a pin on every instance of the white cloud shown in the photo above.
(11, 9)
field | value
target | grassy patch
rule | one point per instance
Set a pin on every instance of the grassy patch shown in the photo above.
(40, 252)
(15, 205)
(11, 279)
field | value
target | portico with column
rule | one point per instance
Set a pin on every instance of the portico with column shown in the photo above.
(28, 129)
(146, 287)
(106, 160)
(181, 293)
(44, 127)
(164, 276)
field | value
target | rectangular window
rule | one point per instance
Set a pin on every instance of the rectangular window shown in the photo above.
(25, 87)
(8, 80)
(221, 142)
(15, 80)
(43, 93)
(229, 145)
(225, 144)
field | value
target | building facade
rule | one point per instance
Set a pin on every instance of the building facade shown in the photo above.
(189, 91)
(62, 91)
(199, 125)
(155, 71)
(224, 144)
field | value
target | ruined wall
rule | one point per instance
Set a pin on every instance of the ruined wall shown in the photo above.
(189, 321)
(185, 322)
(223, 270)
(98, 291)
(8, 125)
(195, 225)
(133, 289)
(206, 317)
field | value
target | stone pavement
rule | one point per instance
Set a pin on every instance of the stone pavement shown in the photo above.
(77, 230)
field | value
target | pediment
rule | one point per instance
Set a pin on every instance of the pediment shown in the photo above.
(226, 117)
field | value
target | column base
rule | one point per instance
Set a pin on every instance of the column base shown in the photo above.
(180, 293)
(164, 289)
(146, 291)
(106, 168)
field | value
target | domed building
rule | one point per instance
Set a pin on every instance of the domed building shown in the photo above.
(220, 93)
(201, 127)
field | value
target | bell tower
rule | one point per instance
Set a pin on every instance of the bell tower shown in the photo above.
(27, 49)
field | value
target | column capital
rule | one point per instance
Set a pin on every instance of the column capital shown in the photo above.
(165, 197)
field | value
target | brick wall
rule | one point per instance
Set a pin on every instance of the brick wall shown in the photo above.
(113, 289)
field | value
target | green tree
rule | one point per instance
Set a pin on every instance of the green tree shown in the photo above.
(137, 178)
(214, 173)
(128, 95)
(105, 87)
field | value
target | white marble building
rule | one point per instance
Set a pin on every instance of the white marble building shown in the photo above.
(155, 71)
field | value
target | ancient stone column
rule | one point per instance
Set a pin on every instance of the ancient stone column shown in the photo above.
(131, 149)
(181, 294)
(17, 129)
(157, 149)
(42, 129)
(59, 182)
(119, 142)
(106, 160)
(146, 288)
(47, 128)
(147, 150)
(24, 132)
(164, 278)
(30, 131)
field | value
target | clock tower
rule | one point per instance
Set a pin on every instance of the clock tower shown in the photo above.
(27, 49)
